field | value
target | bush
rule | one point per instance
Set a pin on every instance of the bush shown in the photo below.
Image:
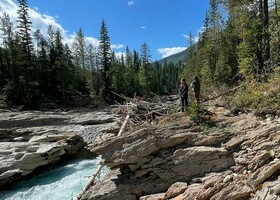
(193, 110)
(257, 96)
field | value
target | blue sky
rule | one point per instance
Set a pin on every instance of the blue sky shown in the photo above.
(162, 24)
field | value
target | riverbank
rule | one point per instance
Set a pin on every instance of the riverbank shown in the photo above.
(225, 155)
(64, 181)
(31, 141)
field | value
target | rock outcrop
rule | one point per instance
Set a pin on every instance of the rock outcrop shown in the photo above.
(224, 156)
(30, 140)
(19, 159)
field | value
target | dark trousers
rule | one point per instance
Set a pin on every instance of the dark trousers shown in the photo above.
(184, 102)
(196, 95)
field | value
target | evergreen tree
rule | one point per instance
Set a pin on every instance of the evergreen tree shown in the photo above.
(191, 54)
(28, 80)
(130, 74)
(9, 53)
(146, 71)
(42, 63)
(145, 53)
(118, 73)
(105, 56)
(79, 49)
(128, 58)
(213, 36)
(159, 87)
(24, 29)
(274, 28)
(266, 35)
(96, 81)
(132, 67)
(190, 63)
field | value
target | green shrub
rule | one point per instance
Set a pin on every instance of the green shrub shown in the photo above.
(193, 110)
(257, 96)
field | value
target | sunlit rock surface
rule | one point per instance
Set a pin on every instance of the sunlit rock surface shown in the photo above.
(33, 139)
(226, 156)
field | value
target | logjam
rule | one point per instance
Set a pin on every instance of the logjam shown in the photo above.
(139, 112)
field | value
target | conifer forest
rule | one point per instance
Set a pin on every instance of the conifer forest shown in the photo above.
(238, 47)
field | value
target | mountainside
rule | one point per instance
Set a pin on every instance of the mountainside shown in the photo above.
(175, 58)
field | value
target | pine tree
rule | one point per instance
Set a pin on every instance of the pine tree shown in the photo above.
(146, 71)
(10, 52)
(29, 85)
(79, 49)
(191, 54)
(95, 73)
(118, 72)
(275, 34)
(59, 66)
(42, 63)
(266, 35)
(190, 64)
(24, 29)
(130, 74)
(105, 56)
(145, 53)
(215, 22)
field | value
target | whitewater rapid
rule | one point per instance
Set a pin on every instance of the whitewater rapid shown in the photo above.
(62, 183)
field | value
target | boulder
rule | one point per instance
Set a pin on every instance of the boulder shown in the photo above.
(176, 189)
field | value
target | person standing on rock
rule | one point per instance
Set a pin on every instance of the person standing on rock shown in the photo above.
(183, 93)
(195, 85)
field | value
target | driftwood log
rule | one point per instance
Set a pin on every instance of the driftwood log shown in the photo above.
(136, 112)
(91, 180)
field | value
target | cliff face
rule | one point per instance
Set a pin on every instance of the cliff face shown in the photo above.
(226, 156)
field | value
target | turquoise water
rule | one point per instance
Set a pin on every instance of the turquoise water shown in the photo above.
(61, 183)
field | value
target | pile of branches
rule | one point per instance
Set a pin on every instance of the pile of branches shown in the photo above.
(139, 111)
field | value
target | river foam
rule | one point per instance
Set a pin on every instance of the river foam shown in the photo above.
(64, 182)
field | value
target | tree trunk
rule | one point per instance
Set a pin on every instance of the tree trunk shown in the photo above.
(266, 37)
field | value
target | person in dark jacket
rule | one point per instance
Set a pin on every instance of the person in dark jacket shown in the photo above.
(195, 85)
(183, 93)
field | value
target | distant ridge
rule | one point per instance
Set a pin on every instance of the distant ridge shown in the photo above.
(175, 58)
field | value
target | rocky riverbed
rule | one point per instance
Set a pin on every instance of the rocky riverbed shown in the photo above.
(31, 140)
(222, 156)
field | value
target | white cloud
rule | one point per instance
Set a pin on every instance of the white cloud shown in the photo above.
(117, 46)
(195, 38)
(10, 8)
(143, 27)
(165, 52)
(185, 36)
(41, 21)
(119, 54)
(93, 41)
(131, 2)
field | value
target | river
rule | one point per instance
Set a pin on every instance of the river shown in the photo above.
(61, 183)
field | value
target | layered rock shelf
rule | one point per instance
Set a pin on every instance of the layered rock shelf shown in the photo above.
(31, 140)
(223, 156)
(19, 159)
